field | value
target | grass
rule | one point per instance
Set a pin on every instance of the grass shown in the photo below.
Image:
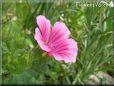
(91, 27)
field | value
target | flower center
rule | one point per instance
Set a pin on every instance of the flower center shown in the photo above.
(46, 41)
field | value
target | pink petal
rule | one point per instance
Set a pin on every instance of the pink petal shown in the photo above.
(66, 44)
(57, 56)
(67, 50)
(66, 58)
(44, 26)
(59, 31)
(38, 38)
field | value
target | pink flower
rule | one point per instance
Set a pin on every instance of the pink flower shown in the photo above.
(56, 41)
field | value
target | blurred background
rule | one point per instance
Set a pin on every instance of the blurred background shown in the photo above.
(90, 26)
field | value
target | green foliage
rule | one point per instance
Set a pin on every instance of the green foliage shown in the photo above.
(23, 60)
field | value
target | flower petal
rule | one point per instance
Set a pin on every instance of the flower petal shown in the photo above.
(57, 56)
(44, 26)
(38, 38)
(59, 31)
(67, 50)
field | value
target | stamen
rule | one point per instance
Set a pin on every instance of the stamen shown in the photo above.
(46, 41)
